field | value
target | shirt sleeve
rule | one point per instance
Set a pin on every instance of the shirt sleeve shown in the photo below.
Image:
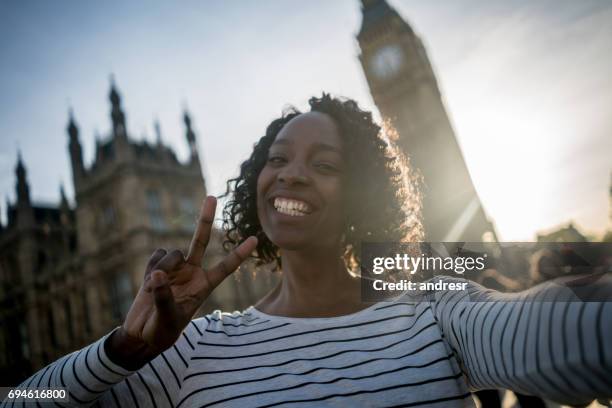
(544, 341)
(91, 378)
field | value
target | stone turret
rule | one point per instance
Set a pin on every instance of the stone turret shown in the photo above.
(25, 213)
(191, 138)
(76, 152)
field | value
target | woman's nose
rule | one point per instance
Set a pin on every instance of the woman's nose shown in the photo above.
(293, 175)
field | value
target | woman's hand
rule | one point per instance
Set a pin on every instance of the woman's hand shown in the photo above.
(174, 288)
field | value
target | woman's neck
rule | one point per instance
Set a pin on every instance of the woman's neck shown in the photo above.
(313, 285)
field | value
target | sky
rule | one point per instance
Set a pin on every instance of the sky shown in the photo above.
(526, 84)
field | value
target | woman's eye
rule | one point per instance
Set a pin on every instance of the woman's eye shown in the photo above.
(327, 167)
(276, 160)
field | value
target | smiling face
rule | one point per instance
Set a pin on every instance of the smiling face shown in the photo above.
(300, 189)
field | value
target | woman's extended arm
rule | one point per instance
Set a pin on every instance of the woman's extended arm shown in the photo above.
(544, 341)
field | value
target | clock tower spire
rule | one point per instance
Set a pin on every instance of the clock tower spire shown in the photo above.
(405, 90)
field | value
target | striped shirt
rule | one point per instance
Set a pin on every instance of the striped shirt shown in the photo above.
(430, 351)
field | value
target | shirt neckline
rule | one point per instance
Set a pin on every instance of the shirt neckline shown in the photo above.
(315, 320)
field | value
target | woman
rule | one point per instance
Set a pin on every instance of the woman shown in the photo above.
(315, 186)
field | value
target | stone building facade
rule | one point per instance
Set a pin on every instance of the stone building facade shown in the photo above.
(68, 274)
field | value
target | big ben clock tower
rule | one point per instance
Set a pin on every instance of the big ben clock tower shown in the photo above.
(405, 90)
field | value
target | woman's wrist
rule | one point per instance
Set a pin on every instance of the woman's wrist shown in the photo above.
(127, 351)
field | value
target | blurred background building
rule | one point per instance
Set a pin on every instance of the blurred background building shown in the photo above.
(69, 273)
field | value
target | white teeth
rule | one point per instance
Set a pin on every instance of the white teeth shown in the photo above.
(291, 207)
(288, 211)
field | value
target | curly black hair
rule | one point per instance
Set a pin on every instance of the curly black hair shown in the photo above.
(383, 201)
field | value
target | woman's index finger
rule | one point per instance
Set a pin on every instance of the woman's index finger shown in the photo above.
(232, 261)
(201, 235)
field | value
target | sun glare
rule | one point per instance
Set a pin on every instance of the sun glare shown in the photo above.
(513, 154)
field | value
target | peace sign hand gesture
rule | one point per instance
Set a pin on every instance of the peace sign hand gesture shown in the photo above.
(174, 288)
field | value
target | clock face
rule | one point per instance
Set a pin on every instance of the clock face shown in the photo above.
(387, 61)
